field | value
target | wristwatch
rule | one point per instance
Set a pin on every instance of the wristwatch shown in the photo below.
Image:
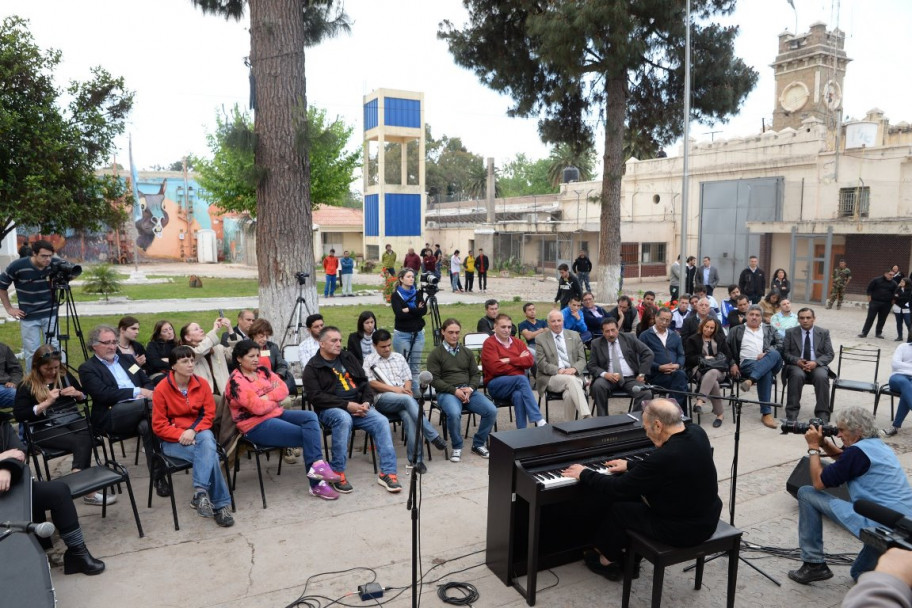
(813, 452)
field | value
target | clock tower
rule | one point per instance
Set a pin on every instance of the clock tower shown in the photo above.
(809, 69)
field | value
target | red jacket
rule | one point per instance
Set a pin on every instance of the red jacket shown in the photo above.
(493, 351)
(172, 413)
(246, 398)
(331, 265)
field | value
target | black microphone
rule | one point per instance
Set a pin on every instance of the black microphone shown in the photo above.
(883, 515)
(424, 380)
(42, 530)
(636, 389)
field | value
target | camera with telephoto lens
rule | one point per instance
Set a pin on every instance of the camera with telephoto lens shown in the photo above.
(800, 428)
(62, 271)
(302, 277)
(429, 283)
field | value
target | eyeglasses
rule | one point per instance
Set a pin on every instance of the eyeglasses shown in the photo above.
(107, 342)
(51, 354)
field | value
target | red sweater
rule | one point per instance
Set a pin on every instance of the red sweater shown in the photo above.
(252, 402)
(493, 351)
(172, 413)
(330, 264)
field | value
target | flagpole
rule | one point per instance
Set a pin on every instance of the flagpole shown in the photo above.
(684, 171)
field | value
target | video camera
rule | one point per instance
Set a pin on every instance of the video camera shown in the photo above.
(898, 530)
(302, 277)
(429, 283)
(800, 428)
(62, 271)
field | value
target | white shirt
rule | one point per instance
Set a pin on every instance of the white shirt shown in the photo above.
(616, 353)
(663, 336)
(307, 349)
(751, 343)
(902, 359)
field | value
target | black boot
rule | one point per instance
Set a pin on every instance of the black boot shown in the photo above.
(78, 559)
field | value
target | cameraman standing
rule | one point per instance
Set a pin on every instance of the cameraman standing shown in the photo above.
(872, 472)
(36, 299)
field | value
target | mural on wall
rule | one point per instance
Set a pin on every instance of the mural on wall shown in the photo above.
(174, 209)
(153, 218)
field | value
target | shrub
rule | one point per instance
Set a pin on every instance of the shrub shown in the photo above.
(101, 279)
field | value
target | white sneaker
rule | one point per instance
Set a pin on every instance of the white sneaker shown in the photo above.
(456, 456)
(97, 499)
(541, 422)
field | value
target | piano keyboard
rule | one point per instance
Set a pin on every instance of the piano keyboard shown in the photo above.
(552, 478)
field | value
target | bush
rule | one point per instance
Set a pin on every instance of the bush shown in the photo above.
(101, 279)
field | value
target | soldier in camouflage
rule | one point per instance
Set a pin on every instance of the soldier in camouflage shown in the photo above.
(841, 277)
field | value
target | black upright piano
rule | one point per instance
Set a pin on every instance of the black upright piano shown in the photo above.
(536, 518)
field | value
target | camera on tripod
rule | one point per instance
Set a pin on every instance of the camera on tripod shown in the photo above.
(302, 277)
(896, 531)
(800, 428)
(62, 271)
(429, 283)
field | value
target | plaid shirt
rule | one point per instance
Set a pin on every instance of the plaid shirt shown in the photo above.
(394, 368)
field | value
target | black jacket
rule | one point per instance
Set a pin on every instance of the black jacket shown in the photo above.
(354, 346)
(881, 289)
(583, 264)
(567, 288)
(9, 440)
(156, 351)
(692, 325)
(100, 385)
(752, 284)
(320, 381)
(410, 321)
(693, 350)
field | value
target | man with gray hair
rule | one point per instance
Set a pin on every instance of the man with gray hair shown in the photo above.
(756, 347)
(872, 472)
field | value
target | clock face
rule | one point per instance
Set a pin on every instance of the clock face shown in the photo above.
(832, 94)
(794, 96)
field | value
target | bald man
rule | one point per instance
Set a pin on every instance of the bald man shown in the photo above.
(561, 362)
(648, 497)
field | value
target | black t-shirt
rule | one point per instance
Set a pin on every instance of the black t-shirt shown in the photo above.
(344, 387)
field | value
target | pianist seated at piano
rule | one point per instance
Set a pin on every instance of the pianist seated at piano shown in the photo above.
(618, 361)
(671, 496)
(504, 362)
(561, 361)
(53, 496)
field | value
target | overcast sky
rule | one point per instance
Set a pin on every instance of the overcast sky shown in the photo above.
(185, 66)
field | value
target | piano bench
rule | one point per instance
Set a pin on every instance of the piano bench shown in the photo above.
(726, 539)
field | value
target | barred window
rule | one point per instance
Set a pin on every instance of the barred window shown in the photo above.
(854, 202)
(653, 253)
(373, 252)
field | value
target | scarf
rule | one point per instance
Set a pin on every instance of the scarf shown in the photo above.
(409, 296)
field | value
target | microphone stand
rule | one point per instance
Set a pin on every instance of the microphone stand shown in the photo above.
(412, 504)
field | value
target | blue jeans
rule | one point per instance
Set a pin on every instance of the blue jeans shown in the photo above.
(407, 409)
(584, 280)
(330, 287)
(412, 351)
(454, 281)
(7, 396)
(33, 336)
(812, 506)
(517, 390)
(207, 474)
(902, 384)
(375, 423)
(478, 404)
(761, 372)
(294, 428)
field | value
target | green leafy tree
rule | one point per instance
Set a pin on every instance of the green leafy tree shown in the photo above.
(53, 143)
(522, 177)
(576, 63)
(564, 155)
(280, 33)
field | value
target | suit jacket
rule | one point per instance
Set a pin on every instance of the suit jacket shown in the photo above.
(692, 326)
(100, 385)
(671, 352)
(693, 350)
(637, 355)
(793, 344)
(547, 360)
(713, 277)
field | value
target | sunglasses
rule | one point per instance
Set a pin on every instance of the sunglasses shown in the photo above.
(51, 354)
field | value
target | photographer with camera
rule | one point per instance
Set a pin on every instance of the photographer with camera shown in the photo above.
(872, 472)
(35, 296)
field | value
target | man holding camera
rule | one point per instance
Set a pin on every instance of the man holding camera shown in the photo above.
(33, 290)
(872, 472)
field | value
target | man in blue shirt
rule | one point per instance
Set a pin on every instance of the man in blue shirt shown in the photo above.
(30, 275)
(667, 369)
(531, 327)
(573, 319)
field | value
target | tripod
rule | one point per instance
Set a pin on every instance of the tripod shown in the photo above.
(414, 495)
(295, 323)
(63, 294)
(434, 312)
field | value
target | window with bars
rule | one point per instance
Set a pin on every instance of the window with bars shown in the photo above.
(653, 253)
(854, 201)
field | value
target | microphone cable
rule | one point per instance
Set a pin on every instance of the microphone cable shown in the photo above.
(469, 594)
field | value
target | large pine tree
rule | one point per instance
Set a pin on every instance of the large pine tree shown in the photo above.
(579, 63)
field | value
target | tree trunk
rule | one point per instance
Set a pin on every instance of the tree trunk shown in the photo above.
(284, 243)
(608, 269)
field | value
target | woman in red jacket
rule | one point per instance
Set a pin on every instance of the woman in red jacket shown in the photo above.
(182, 413)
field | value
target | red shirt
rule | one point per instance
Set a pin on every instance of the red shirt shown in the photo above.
(493, 351)
(330, 264)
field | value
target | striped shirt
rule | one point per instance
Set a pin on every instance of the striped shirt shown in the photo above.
(394, 368)
(32, 288)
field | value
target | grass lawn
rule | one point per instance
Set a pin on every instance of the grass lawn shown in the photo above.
(343, 317)
(179, 289)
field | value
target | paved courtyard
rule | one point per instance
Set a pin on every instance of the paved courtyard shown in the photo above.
(270, 555)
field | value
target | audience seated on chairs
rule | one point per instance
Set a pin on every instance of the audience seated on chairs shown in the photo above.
(738, 316)
(626, 315)
(901, 382)
(648, 301)
(561, 361)
(592, 314)
(341, 394)
(647, 498)
(727, 306)
(360, 342)
(667, 368)
(270, 355)
(486, 323)
(692, 324)
(708, 361)
(807, 351)
(182, 413)
(310, 343)
(10, 375)
(119, 389)
(48, 399)
(700, 292)
(681, 313)
(755, 349)
(53, 496)
(456, 382)
(391, 380)
(618, 361)
(163, 341)
(647, 320)
(239, 332)
(784, 319)
(127, 330)
(255, 397)
(211, 358)
(530, 327)
(504, 361)
(770, 304)
(573, 320)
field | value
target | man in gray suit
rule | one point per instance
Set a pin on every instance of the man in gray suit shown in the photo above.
(561, 362)
(807, 351)
(611, 372)
(707, 276)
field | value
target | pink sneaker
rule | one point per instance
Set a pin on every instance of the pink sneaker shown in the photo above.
(324, 490)
(321, 470)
